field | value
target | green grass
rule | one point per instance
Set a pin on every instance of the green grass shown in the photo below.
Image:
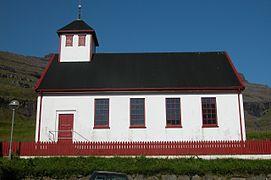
(265, 131)
(258, 135)
(24, 127)
(66, 167)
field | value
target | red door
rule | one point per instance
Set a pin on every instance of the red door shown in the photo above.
(65, 126)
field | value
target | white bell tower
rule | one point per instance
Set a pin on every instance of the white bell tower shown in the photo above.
(78, 41)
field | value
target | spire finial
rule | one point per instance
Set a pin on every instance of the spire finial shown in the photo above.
(79, 9)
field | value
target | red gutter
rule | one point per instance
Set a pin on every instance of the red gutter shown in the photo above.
(235, 71)
(44, 72)
(240, 117)
(205, 89)
(166, 91)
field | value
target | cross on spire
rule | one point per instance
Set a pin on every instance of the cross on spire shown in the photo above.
(79, 9)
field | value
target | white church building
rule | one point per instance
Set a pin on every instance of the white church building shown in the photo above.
(97, 97)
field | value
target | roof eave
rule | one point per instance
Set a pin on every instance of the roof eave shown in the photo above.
(37, 85)
(242, 85)
(84, 90)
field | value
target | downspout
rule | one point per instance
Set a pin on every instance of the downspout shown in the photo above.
(40, 116)
(240, 117)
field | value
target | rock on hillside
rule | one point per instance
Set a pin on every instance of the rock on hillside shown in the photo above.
(257, 99)
(257, 103)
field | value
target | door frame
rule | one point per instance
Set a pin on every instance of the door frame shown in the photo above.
(58, 112)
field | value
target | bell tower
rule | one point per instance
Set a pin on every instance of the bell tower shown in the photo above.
(78, 41)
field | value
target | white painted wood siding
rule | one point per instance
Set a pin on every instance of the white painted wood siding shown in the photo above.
(82, 106)
(75, 53)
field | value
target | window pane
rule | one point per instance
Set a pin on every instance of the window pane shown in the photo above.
(137, 111)
(101, 112)
(69, 40)
(209, 111)
(81, 40)
(173, 111)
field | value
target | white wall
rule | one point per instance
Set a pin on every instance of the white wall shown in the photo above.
(75, 53)
(82, 106)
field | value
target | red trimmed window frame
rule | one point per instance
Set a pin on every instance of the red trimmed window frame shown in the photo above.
(209, 112)
(96, 115)
(82, 40)
(168, 108)
(133, 107)
(69, 40)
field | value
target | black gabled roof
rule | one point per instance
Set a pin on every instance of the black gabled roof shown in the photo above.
(81, 26)
(77, 24)
(143, 71)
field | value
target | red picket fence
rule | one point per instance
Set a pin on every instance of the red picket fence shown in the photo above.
(138, 148)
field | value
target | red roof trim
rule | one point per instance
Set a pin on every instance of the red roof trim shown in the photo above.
(192, 90)
(235, 71)
(44, 72)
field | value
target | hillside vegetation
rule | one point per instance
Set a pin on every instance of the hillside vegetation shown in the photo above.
(18, 75)
(65, 168)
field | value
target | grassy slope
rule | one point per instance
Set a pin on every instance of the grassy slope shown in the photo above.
(24, 127)
(18, 75)
(266, 119)
(265, 123)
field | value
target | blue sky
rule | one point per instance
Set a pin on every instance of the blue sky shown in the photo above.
(240, 27)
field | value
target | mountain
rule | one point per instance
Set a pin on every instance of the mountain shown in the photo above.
(257, 105)
(18, 75)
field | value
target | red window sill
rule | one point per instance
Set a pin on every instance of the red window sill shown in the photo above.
(172, 126)
(132, 127)
(101, 127)
(210, 126)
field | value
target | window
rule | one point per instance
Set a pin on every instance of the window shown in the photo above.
(101, 119)
(173, 112)
(137, 113)
(81, 40)
(69, 40)
(209, 113)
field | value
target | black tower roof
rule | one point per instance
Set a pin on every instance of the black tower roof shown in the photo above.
(78, 26)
